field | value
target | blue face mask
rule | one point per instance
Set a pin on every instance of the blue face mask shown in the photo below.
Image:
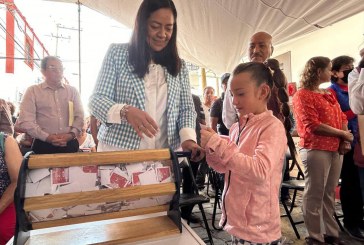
(346, 74)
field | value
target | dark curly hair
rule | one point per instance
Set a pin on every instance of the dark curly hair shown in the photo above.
(309, 76)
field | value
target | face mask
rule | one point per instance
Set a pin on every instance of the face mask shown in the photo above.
(346, 74)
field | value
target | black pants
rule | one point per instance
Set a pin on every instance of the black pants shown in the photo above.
(42, 147)
(187, 186)
(350, 192)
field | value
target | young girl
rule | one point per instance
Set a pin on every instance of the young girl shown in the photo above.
(251, 158)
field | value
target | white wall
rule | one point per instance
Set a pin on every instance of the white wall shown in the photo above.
(343, 38)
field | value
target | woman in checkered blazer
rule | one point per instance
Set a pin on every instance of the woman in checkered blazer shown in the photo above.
(142, 95)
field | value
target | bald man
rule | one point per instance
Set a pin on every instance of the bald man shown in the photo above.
(260, 49)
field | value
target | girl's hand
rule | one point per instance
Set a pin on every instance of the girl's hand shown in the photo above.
(344, 147)
(206, 134)
(197, 153)
(348, 136)
(141, 122)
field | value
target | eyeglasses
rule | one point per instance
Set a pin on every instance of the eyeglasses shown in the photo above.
(54, 68)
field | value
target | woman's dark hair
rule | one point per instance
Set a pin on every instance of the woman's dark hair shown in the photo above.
(309, 76)
(262, 73)
(140, 53)
(338, 62)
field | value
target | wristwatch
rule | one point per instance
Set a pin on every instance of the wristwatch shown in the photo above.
(123, 112)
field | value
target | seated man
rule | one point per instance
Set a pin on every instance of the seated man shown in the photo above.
(51, 112)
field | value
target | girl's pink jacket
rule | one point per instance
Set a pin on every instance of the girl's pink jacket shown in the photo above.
(253, 174)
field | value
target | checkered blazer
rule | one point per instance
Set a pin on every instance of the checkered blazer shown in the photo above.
(117, 84)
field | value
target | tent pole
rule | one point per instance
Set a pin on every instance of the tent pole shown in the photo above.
(79, 45)
(203, 78)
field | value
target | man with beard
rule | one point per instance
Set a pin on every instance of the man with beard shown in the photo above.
(350, 193)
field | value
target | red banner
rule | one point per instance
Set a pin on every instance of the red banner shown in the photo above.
(9, 65)
(29, 51)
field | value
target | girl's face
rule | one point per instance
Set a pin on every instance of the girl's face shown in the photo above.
(247, 97)
(208, 95)
(325, 74)
(160, 29)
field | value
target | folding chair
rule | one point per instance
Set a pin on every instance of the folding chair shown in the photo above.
(218, 182)
(297, 184)
(190, 199)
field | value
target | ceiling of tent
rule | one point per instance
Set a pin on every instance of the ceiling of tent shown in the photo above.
(215, 33)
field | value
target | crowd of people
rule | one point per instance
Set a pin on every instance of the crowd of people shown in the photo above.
(142, 100)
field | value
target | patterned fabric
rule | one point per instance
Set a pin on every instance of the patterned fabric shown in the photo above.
(117, 84)
(312, 109)
(6, 125)
(237, 241)
(4, 176)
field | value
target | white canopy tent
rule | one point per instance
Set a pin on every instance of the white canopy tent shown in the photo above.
(215, 33)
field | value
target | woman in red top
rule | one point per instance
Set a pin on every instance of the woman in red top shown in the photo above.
(324, 137)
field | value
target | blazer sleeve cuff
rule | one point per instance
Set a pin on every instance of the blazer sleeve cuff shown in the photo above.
(113, 115)
(187, 134)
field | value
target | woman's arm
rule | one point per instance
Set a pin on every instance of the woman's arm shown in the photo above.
(13, 160)
(326, 130)
(214, 121)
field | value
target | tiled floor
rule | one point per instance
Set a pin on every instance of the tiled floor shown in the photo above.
(222, 237)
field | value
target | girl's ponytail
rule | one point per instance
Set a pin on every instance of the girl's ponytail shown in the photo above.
(279, 92)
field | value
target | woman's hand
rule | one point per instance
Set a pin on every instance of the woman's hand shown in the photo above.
(344, 147)
(347, 136)
(141, 122)
(206, 134)
(197, 153)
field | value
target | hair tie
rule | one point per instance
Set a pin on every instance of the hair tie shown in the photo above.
(268, 67)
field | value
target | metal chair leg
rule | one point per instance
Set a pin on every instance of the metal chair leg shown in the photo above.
(206, 224)
(216, 204)
(338, 222)
(291, 220)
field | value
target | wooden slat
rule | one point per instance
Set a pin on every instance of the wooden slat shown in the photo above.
(96, 158)
(98, 217)
(99, 196)
(116, 233)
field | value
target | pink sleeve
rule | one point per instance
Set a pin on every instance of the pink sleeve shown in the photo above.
(270, 150)
(212, 158)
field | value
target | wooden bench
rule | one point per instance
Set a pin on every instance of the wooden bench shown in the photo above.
(126, 193)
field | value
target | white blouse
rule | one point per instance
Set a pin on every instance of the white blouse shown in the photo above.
(155, 106)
